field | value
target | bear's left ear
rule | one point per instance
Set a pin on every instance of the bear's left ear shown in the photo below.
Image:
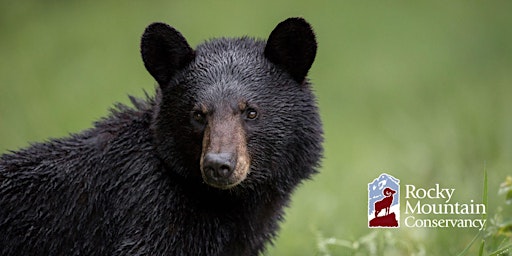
(164, 51)
(292, 46)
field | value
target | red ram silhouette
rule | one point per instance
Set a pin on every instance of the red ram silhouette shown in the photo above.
(385, 203)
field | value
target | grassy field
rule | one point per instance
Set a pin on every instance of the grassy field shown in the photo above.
(422, 91)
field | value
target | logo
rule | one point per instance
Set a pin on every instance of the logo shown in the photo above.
(433, 206)
(384, 202)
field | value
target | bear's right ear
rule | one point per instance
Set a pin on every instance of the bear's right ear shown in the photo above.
(164, 51)
(292, 46)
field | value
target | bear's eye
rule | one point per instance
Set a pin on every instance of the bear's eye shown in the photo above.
(251, 114)
(198, 116)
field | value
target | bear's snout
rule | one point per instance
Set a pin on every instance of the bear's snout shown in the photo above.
(224, 159)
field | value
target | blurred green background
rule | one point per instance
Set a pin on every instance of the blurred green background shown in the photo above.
(420, 90)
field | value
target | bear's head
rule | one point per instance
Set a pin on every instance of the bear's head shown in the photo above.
(235, 113)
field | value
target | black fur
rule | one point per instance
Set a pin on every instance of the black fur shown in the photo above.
(132, 185)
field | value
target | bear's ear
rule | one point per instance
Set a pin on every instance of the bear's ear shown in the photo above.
(292, 46)
(164, 51)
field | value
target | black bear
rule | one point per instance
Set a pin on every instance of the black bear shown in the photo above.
(205, 167)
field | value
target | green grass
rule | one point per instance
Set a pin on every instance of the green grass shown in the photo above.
(422, 91)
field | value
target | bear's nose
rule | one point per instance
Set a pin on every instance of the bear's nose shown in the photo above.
(218, 165)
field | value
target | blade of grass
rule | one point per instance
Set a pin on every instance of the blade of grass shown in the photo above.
(481, 250)
(484, 216)
(501, 251)
(470, 244)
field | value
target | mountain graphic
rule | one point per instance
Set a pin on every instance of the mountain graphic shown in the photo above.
(376, 188)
